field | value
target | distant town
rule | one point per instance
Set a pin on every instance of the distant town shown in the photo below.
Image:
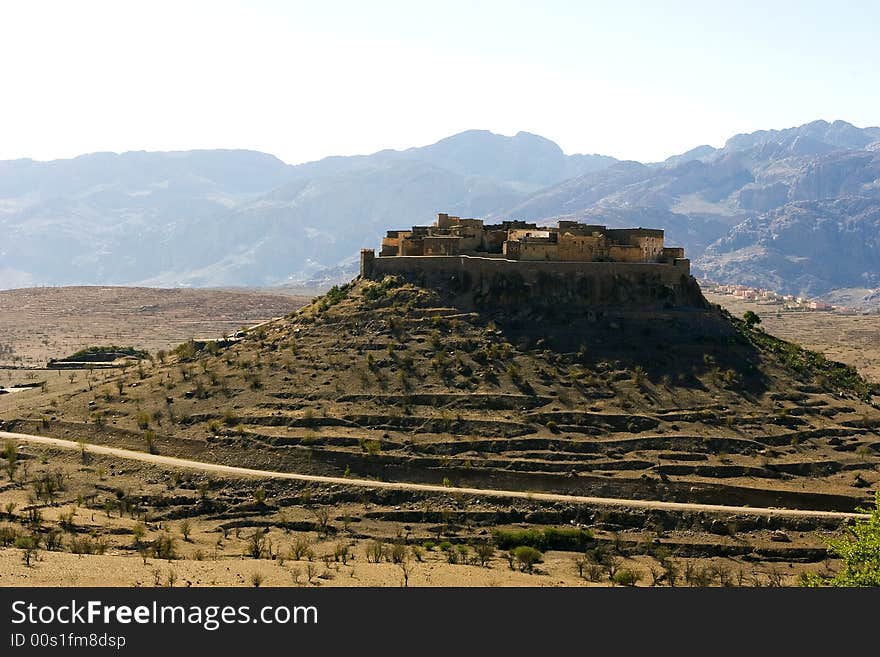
(784, 302)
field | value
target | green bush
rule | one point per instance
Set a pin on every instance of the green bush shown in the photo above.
(859, 550)
(108, 349)
(373, 291)
(336, 294)
(526, 558)
(751, 319)
(626, 577)
(549, 538)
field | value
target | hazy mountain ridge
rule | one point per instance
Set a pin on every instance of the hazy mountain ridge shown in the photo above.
(246, 218)
(808, 247)
(723, 196)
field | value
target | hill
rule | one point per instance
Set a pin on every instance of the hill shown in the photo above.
(387, 384)
(388, 379)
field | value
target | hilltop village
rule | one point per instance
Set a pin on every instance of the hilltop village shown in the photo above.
(522, 265)
(569, 241)
(783, 302)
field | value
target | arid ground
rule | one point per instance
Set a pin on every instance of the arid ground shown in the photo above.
(851, 339)
(393, 383)
(37, 324)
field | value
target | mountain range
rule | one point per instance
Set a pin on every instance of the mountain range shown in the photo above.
(796, 210)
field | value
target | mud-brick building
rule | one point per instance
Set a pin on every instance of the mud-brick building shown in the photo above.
(569, 241)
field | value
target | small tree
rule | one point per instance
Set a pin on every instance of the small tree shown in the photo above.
(322, 518)
(526, 558)
(301, 549)
(751, 319)
(164, 547)
(626, 577)
(11, 455)
(375, 551)
(484, 551)
(406, 567)
(185, 529)
(28, 544)
(258, 543)
(859, 549)
(398, 552)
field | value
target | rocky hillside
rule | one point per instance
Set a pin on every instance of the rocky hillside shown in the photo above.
(809, 247)
(721, 203)
(391, 380)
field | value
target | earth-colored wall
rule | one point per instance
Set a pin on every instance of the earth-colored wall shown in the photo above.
(500, 281)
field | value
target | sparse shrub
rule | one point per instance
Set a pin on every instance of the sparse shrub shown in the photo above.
(484, 551)
(452, 555)
(150, 439)
(186, 351)
(372, 447)
(526, 558)
(375, 551)
(52, 540)
(29, 545)
(594, 572)
(548, 538)
(638, 375)
(164, 547)
(143, 420)
(229, 418)
(301, 549)
(82, 545)
(341, 552)
(322, 518)
(10, 454)
(626, 577)
(138, 532)
(66, 520)
(8, 534)
(258, 544)
(398, 552)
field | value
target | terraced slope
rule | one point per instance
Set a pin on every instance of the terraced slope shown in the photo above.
(399, 382)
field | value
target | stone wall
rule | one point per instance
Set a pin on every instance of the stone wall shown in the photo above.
(497, 281)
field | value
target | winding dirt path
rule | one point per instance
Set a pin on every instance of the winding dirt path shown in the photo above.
(234, 471)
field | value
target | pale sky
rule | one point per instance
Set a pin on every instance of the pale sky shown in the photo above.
(302, 80)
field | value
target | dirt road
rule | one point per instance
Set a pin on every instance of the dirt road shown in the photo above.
(234, 471)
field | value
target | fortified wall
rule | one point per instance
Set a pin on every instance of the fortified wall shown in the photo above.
(496, 281)
(624, 268)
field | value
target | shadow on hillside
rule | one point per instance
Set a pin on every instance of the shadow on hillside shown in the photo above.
(677, 347)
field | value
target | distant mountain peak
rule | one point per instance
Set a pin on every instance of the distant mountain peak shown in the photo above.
(838, 134)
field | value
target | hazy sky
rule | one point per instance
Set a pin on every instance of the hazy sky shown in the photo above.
(302, 80)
